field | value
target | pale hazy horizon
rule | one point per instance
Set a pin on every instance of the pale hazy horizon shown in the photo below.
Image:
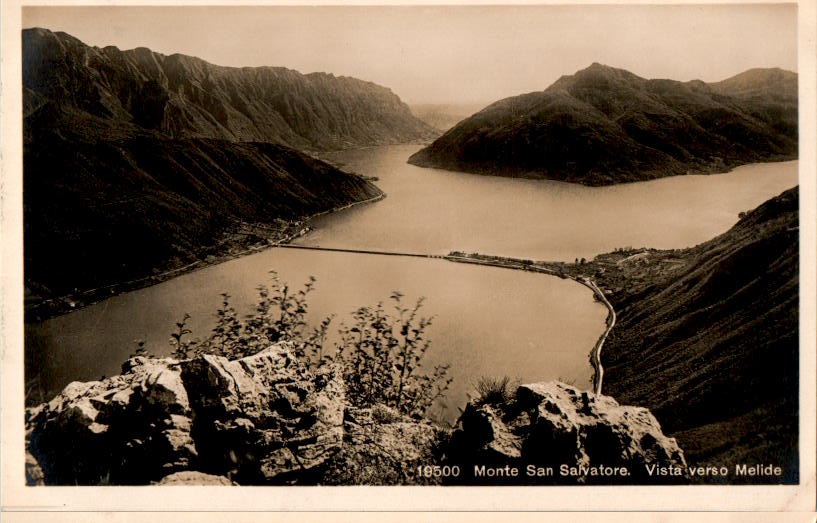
(452, 54)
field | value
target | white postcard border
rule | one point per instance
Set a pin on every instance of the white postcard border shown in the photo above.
(17, 497)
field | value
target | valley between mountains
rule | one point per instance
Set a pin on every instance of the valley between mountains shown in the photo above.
(139, 167)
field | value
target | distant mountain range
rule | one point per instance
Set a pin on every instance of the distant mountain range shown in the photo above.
(604, 125)
(136, 162)
(444, 116)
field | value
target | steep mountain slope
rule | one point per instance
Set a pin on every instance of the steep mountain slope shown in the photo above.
(604, 125)
(707, 339)
(183, 96)
(137, 163)
(103, 204)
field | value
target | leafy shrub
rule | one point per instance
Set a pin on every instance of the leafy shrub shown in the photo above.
(181, 347)
(279, 316)
(380, 354)
(140, 350)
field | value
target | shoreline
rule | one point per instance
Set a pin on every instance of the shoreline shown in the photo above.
(596, 354)
(553, 269)
(537, 176)
(45, 309)
(62, 305)
(541, 267)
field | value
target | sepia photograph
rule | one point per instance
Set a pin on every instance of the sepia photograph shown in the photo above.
(428, 245)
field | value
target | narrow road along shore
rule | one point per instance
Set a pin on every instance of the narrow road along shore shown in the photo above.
(347, 206)
(611, 322)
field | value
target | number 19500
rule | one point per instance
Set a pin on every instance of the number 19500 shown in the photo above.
(436, 471)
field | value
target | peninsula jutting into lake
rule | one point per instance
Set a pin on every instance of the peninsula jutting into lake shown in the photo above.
(244, 274)
(604, 125)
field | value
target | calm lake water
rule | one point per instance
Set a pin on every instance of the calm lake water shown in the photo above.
(488, 321)
(435, 211)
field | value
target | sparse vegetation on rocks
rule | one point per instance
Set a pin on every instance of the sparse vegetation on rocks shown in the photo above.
(494, 390)
(380, 352)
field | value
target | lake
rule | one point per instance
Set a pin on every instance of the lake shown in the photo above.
(488, 321)
(435, 211)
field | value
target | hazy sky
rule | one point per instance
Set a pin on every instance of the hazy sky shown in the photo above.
(441, 54)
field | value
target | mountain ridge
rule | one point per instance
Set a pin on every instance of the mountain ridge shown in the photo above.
(604, 125)
(129, 205)
(184, 96)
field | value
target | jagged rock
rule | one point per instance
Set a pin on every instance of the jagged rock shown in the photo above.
(269, 409)
(383, 447)
(552, 425)
(122, 430)
(193, 478)
(264, 418)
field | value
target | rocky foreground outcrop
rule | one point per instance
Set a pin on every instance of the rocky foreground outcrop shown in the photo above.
(269, 419)
(552, 433)
(265, 418)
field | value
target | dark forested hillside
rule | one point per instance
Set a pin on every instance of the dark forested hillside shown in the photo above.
(707, 339)
(605, 125)
(124, 204)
